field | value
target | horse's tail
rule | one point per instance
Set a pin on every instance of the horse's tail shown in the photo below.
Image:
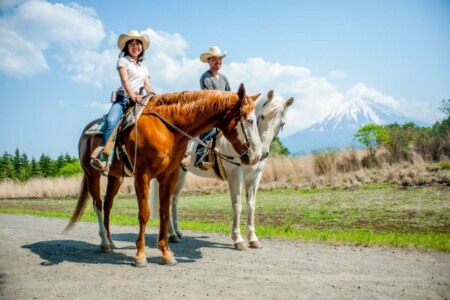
(83, 198)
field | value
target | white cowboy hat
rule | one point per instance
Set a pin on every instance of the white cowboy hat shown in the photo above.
(133, 35)
(213, 51)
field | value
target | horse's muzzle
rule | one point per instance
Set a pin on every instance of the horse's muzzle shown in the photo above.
(249, 159)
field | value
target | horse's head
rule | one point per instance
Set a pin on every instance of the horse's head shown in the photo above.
(241, 130)
(270, 113)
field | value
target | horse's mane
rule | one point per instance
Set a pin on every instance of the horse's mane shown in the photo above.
(270, 108)
(191, 104)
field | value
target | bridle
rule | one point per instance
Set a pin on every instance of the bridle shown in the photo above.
(240, 119)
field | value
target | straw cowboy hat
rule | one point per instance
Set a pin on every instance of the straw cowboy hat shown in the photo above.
(213, 51)
(133, 35)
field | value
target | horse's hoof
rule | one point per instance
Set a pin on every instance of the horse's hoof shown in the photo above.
(140, 263)
(240, 246)
(105, 248)
(171, 261)
(179, 234)
(174, 239)
(255, 244)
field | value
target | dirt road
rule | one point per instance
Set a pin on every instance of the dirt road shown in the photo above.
(37, 262)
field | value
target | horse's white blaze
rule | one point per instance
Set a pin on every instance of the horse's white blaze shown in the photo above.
(269, 118)
(252, 135)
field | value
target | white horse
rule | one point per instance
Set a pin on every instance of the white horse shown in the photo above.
(270, 113)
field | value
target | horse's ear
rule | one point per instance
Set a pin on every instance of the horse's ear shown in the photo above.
(241, 91)
(255, 97)
(270, 95)
(289, 102)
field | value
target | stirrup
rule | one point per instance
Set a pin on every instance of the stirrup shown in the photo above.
(101, 166)
(96, 153)
(202, 163)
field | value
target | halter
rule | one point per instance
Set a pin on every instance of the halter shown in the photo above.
(228, 158)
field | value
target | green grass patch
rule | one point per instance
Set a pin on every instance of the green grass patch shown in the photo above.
(382, 215)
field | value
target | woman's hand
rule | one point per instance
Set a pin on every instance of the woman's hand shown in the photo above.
(137, 98)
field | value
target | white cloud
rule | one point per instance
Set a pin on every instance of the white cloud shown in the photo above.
(35, 26)
(18, 56)
(360, 90)
(336, 74)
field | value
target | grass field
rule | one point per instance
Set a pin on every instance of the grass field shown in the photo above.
(367, 215)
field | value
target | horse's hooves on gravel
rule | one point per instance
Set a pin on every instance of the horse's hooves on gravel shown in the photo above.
(105, 248)
(140, 263)
(255, 245)
(180, 235)
(174, 239)
(170, 261)
(240, 246)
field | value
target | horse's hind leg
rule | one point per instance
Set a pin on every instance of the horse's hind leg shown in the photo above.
(94, 190)
(111, 191)
(175, 233)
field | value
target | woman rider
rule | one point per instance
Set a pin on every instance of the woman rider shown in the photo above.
(134, 77)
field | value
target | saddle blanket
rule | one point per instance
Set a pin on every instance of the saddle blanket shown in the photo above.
(129, 118)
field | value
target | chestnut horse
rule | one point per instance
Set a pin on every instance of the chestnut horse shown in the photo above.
(159, 140)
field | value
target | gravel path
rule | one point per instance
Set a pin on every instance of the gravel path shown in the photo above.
(38, 262)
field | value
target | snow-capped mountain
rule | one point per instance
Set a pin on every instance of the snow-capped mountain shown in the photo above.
(336, 130)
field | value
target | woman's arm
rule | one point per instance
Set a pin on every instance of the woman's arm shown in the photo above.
(147, 85)
(124, 78)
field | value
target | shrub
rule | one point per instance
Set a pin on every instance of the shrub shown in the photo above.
(71, 170)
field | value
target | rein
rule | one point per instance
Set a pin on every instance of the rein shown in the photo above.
(228, 158)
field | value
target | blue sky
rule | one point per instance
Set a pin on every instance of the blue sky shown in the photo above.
(57, 63)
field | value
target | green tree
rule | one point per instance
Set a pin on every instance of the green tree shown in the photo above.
(24, 172)
(401, 139)
(6, 166)
(47, 166)
(372, 136)
(277, 148)
(35, 169)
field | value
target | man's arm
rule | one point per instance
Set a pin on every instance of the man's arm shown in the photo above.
(206, 83)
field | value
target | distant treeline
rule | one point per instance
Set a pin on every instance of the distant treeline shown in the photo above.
(18, 166)
(403, 141)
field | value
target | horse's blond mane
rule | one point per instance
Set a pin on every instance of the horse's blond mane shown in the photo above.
(272, 107)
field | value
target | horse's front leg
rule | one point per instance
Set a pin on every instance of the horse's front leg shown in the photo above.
(141, 183)
(165, 194)
(251, 187)
(111, 191)
(235, 187)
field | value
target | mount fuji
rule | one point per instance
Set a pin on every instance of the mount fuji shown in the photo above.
(336, 130)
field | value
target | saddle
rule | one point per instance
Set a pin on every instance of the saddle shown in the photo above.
(129, 119)
(214, 162)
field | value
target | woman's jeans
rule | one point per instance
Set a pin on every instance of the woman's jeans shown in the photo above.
(115, 113)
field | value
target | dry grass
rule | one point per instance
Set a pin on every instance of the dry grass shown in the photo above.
(340, 169)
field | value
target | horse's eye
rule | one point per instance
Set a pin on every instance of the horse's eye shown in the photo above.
(262, 117)
(250, 121)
